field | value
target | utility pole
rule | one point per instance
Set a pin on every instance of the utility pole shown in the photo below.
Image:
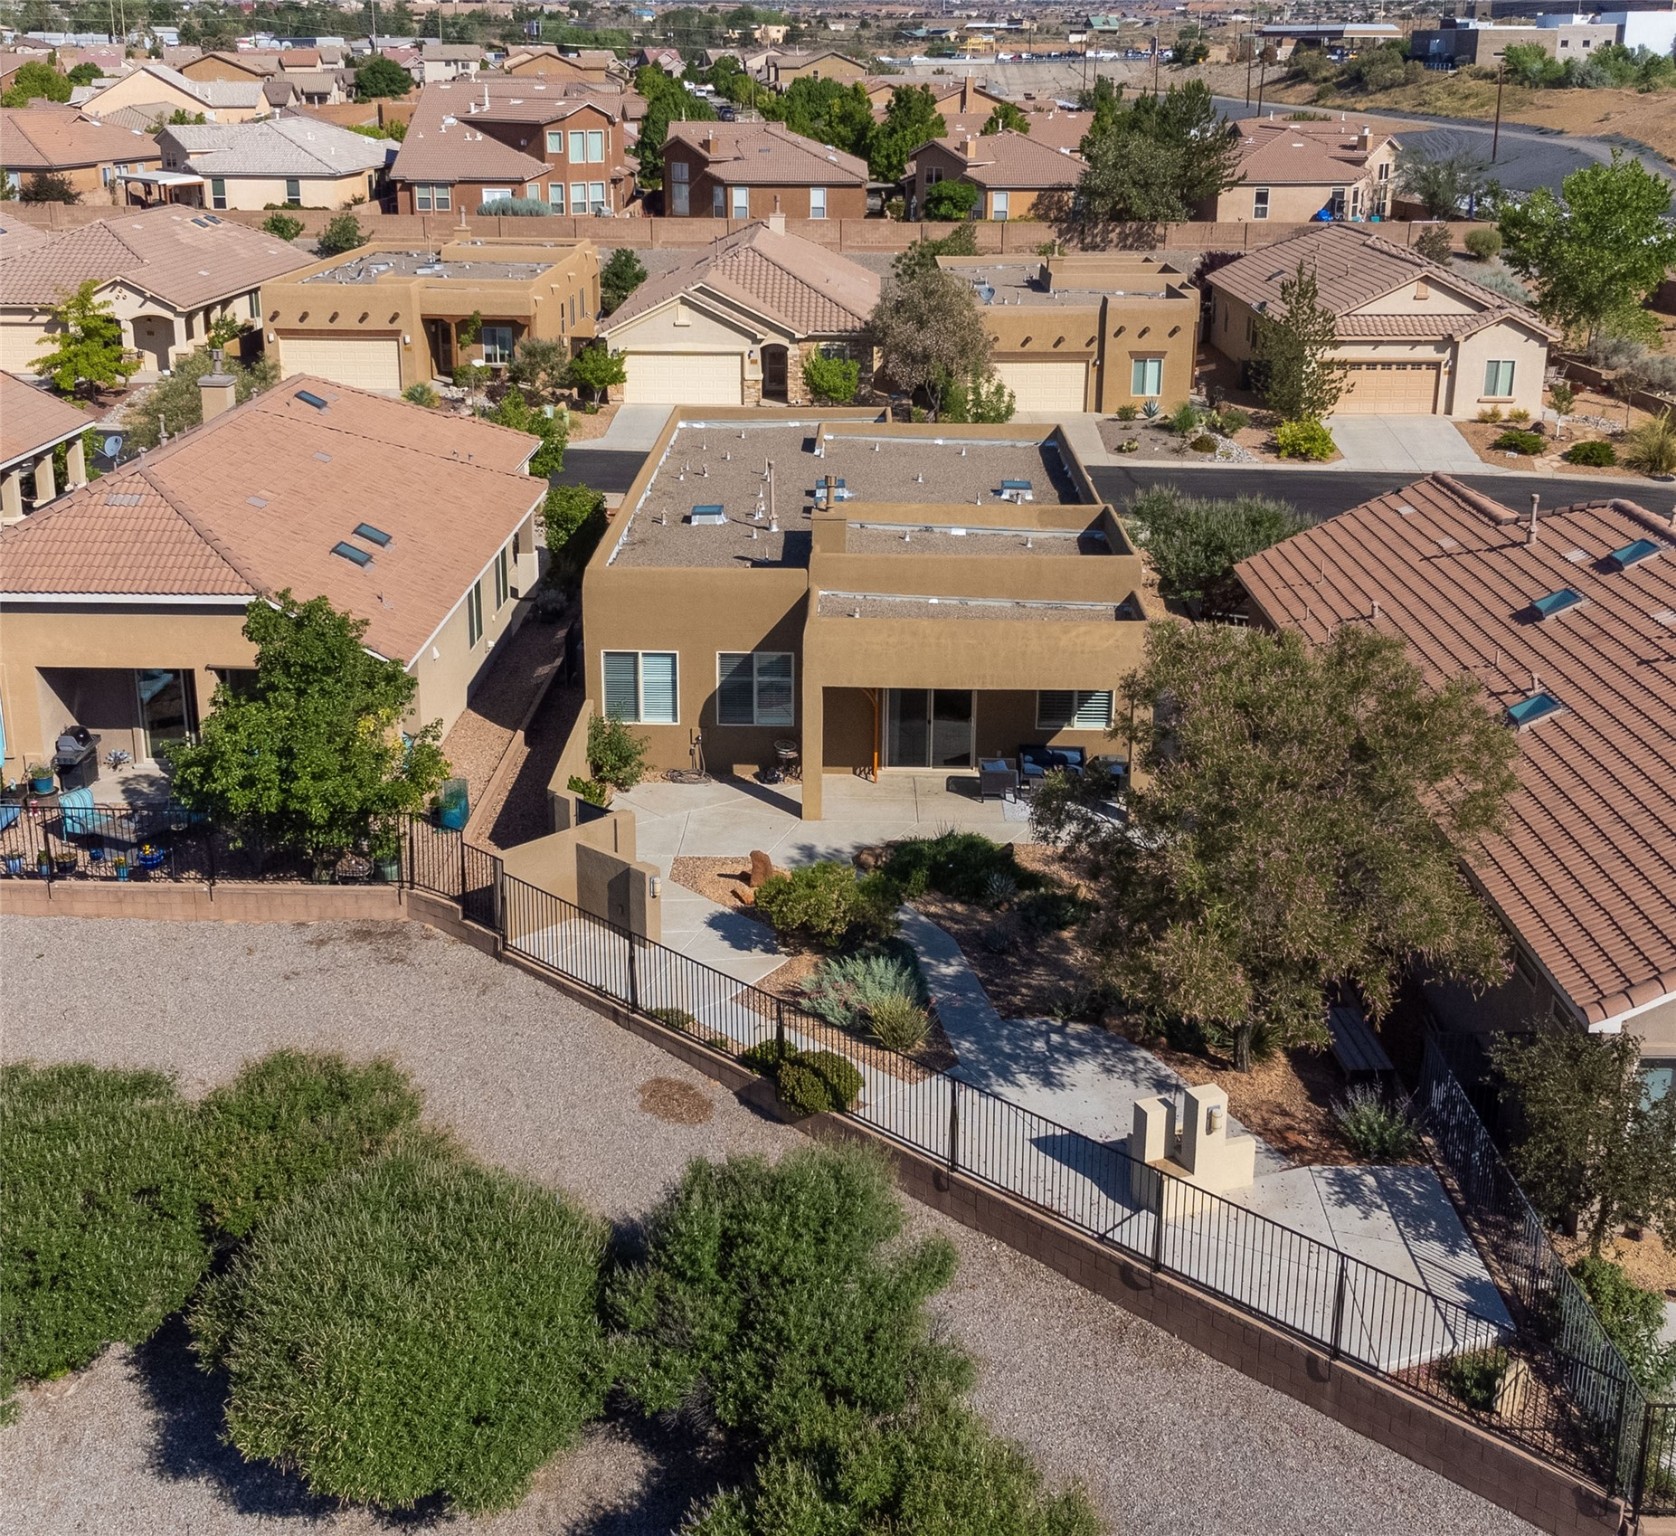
(1157, 42)
(1250, 63)
(1495, 138)
(1262, 81)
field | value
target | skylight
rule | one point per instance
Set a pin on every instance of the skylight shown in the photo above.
(1634, 554)
(1556, 602)
(1534, 707)
(372, 535)
(311, 399)
(353, 555)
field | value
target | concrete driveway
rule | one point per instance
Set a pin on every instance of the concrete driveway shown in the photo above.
(1406, 445)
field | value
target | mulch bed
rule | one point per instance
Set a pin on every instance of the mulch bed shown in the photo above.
(675, 1102)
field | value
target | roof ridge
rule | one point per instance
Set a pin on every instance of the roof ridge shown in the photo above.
(144, 472)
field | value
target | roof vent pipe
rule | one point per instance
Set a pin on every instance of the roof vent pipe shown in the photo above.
(1530, 528)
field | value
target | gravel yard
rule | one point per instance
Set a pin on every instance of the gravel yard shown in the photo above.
(1165, 1438)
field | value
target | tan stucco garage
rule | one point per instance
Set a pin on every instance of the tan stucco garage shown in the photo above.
(684, 378)
(362, 362)
(1046, 386)
(1384, 387)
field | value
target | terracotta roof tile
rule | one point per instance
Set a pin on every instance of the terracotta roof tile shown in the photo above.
(59, 138)
(286, 146)
(1013, 160)
(768, 154)
(31, 418)
(1586, 873)
(442, 145)
(1284, 153)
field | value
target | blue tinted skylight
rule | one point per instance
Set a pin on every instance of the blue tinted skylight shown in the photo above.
(1538, 706)
(309, 398)
(352, 554)
(372, 535)
(1634, 554)
(1556, 602)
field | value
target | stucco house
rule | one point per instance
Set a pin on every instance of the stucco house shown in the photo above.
(1417, 338)
(752, 170)
(55, 140)
(33, 425)
(1290, 173)
(295, 160)
(161, 91)
(1012, 172)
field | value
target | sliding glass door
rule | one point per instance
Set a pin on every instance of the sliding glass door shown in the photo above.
(929, 728)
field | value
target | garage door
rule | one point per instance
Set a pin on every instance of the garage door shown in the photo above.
(1045, 386)
(362, 362)
(1396, 389)
(683, 378)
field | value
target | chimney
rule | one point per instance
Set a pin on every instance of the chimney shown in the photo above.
(1364, 140)
(776, 222)
(217, 391)
(709, 142)
(971, 149)
(1530, 528)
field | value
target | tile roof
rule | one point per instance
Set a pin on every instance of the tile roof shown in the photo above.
(1586, 872)
(30, 418)
(767, 154)
(1055, 128)
(441, 144)
(184, 258)
(254, 501)
(58, 138)
(1308, 153)
(17, 237)
(142, 117)
(1353, 267)
(285, 146)
(1013, 160)
(798, 286)
(250, 61)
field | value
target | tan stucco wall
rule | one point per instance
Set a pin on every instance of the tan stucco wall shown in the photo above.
(1298, 202)
(258, 192)
(142, 89)
(148, 326)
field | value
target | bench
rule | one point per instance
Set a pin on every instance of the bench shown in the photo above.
(1356, 1047)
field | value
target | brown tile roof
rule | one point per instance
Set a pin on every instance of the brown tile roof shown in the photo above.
(254, 501)
(183, 258)
(767, 154)
(17, 237)
(1013, 160)
(1308, 153)
(60, 138)
(441, 144)
(30, 418)
(1353, 267)
(800, 287)
(1055, 128)
(1586, 873)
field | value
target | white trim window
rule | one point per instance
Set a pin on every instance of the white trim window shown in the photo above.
(754, 688)
(1072, 709)
(1146, 376)
(596, 146)
(432, 195)
(1259, 202)
(497, 344)
(293, 189)
(741, 197)
(596, 199)
(998, 205)
(474, 615)
(578, 197)
(641, 687)
(578, 146)
(555, 141)
(1498, 378)
(817, 202)
(503, 580)
(218, 192)
(496, 195)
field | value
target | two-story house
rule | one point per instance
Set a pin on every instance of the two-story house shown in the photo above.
(1012, 172)
(752, 170)
(1291, 173)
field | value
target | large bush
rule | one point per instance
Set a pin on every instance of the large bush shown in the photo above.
(845, 989)
(818, 1082)
(1633, 1319)
(960, 865)
(289, 1121)
(1195, 542)
(1304, 440)
(826, 904)
(417, 1326)
(1597, 453)
(99, 1233)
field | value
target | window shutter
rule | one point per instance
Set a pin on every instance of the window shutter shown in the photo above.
(1093, 712)
(622, 691)
(1054, 708)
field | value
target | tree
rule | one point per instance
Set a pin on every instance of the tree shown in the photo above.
(597, 368)
(928, 330)
(175, 404)
(948, 202)
(667, 101)
(83, 351)
(1301, 824)
(35, 80)
(1156, 160)
(311, 756)
(1294, 347)
(1531, 65)
(1592, 1143)
(342, 233)
(911, 119)
(1006, 118)
(549, 426)
(831, 380)
(83, 74)
(541, 369)
(282, 226)
(830, 113)
(978, 397)
(1446, 187)
(1597, 251)
(48, 187)
(377, 76)
(573, 517)
(1194, 543)
(618, 278)
(1434, 244)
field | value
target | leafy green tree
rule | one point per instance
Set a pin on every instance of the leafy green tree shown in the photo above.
(1446, 186)
(1595, 252)
(921, 255)
(83, 351)
(1532, 66)
(1194, 542)
(1006, 118)
(831, 380)
(541, 369)
(1633, 1319)
(48, 187)
(667, 101)
(618, 278)
(552, 429)
(830, 113)
(948, 202)
(574, 519)
(1157, 159)
(1592, 1143)
(311, 756)
(83, 74)
(911, 119)
(175, 404)
(1301, 822)
(597, 369)
(33, 81)
(1295, 342)
(977, 398)
(342, 233)
(928, 331)
(282, 226)
(377, 76)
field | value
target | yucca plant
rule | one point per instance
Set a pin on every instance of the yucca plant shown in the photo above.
(1651, 447)
(847, 989)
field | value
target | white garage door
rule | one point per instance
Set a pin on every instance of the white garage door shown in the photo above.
(1045, 386)
(1395, 389)
(362, 362)
(683, 378)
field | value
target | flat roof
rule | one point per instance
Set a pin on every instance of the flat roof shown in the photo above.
(1018, 283)
(952, 540)
(881, 605)
(370, 266)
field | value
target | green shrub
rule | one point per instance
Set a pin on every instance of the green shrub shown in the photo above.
(764, 1057)
(826, 904)
(817, 1082)
(1377, 1128)
(1303, 440)
(1203, 443)
(899, 1023)
(1231, 419)
(955, 864)
(831, 380)
(422, 394)
(1127, 412)
(1194, 543)
(99, 1232)
(845, 989)
(1051, 910)
(1515, 441)
(573, 521)
(1562, 397)
(616, 756)
(1596, 453)
(1632, 1319)
(415, 1327)
(676, 1018)
(1483, 243)
(1475, 1378)
(342, 233)
(289, 1121)
(515, 207)
(1651, 447)
(282, 226)
(1184, 419)
(1433, 243)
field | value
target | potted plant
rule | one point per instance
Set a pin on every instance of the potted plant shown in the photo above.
(120, 865)
(150, 856)
(43, 864)
(64, 861)
(14, 863)
(387, 856)
(40, 778)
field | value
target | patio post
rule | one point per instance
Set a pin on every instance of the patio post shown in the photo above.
(779, 1029)
(1338, 1307)
(1158, 1219)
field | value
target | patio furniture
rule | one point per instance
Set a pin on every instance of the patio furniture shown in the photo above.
(1355, 1046)
(790, 756)
(1035, 763)
(996, 776)
(80, 819)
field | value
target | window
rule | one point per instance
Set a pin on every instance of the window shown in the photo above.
(596, 198)
(754, 688)
(533, 191)
(578, 197)
(678, 170)
(596, 146)
(493, 195)
(555, 196)
(293, 189)
(555, 141)
(817, 202)
(1385, 170)
(1498, 378)
(503, 583)
(218, 192)
(427, 197)
(474, 614)
(255, 302)
(1532, 708)
(741, 202)
(682, 204)
(640, 686)
(1146, 376)
(718, 203)
(497, 343)
(998, 206)
(1069, 709)
(578, 146)
(1259, 202)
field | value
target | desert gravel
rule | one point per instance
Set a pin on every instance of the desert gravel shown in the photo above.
(1166, 1439)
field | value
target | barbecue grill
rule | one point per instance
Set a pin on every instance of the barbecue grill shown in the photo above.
(77, 757)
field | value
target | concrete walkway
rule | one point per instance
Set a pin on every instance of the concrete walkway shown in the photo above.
(634, 427)
(1407, 445)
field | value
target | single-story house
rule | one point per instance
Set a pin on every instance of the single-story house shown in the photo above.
(155, 86)
(596, 64)
(294, 160)
(781, 69)
(33, 423)
(54, 140)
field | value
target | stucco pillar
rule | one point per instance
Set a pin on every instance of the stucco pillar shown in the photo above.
(11, 496)
(814, 745)
(46, 482)
(75, 465)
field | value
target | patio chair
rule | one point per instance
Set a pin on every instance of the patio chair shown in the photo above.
(996, 776)
(1036, 762)
(75, 807)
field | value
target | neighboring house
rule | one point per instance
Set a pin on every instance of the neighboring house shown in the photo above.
(232, 66)
(54, 140)
(156, 86)
(589, 64)
(385, 317)
(752, 170)
(1566, 618)
(1087, 332)
(448, 61)
(1012, 172)
(32, 424)
(1053, 127)
(913, 621)
(168, 274)
(1417, 338)
(494, 137)
(781, 69)
(1291, 173)
(669, 60)
(291, 160)
(951, 96)
(123, 603)
(1457, 41)
(732, 324)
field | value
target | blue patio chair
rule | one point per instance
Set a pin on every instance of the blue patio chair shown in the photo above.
(76, 808)
(9, 815)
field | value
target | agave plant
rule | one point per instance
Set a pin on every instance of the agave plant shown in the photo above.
(1651, 447)
(1150, 410)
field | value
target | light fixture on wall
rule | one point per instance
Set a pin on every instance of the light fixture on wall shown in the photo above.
(655, 886)
(407, 341)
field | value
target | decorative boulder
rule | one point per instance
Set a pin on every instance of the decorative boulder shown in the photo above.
(762, 868)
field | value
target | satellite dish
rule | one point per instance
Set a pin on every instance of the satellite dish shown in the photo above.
(113, 446)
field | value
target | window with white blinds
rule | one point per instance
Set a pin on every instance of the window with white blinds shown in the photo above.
(754, 688)
(1067, 709)
(641, 687)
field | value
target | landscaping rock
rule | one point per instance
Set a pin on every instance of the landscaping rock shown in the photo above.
(762, 867)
